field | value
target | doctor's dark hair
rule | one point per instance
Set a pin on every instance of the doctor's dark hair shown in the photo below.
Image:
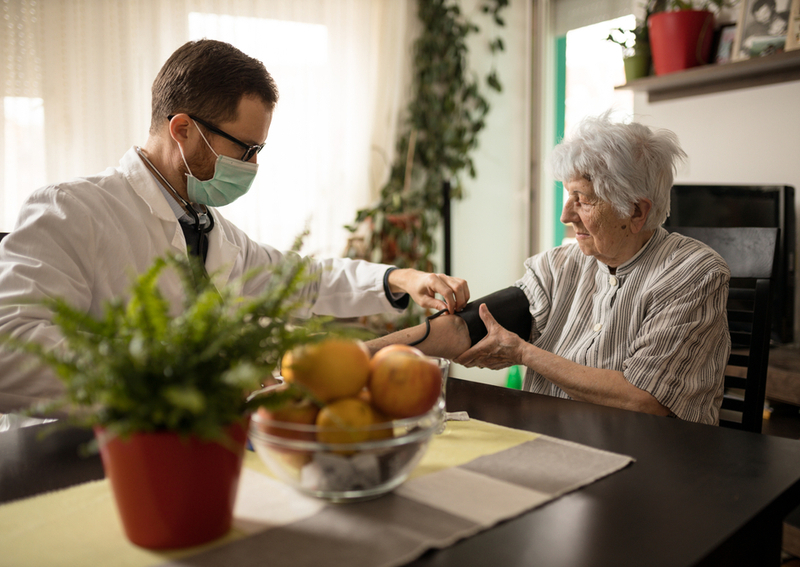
(207, 78)
(624, 162)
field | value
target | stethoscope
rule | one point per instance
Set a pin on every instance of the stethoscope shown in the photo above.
(203, 220)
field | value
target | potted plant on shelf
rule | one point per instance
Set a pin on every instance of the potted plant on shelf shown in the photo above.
(682, 34)
(166, 390)
(635, 45)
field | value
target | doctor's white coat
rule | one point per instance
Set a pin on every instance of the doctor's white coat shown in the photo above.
(86, 239)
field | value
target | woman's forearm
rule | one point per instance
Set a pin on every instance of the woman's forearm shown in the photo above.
(595, 385)
(448, 337)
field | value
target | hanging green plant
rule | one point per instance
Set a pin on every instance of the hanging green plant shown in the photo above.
(441, 129)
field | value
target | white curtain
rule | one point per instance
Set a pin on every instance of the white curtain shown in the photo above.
(76, 77)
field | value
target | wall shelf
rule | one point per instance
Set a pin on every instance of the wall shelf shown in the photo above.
(777, 68)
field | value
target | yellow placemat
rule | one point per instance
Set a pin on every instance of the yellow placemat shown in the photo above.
(79, 525)
(464, 441)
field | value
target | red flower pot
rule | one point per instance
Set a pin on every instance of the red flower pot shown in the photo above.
(680, 40)
(173, 492)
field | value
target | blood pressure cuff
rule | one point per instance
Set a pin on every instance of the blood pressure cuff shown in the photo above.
(508, 306)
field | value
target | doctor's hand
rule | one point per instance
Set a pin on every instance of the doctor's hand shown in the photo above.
(500, 348)
(424, 287)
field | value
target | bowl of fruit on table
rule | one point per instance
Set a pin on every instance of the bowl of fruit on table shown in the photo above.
(349, 427)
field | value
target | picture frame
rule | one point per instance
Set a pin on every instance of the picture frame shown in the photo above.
(793, 35)
(762, 28)
(727, 38)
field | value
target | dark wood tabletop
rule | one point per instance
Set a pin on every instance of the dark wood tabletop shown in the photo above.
(696, 495)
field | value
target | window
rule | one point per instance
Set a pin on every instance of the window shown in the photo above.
(286, 194)
(336, 70)
(593, 68)
(23, 158)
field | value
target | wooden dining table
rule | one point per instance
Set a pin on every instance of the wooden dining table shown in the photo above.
(695, 495)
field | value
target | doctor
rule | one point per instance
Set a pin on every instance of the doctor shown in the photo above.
(83, 240)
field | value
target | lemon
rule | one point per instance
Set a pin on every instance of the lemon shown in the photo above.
(331, 369)
(345, 421)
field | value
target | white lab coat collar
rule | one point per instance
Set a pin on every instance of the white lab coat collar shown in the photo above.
(144, 185)
(220, 248)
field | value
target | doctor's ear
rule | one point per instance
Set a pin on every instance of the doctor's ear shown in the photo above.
(180, 126)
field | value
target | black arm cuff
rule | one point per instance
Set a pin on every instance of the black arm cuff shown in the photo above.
(400, 303)
(508, 306)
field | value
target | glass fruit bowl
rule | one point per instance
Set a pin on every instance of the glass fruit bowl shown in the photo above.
(344, 472)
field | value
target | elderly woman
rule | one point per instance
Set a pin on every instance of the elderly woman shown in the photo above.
(630, 316)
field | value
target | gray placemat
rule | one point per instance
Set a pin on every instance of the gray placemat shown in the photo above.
(430, 511)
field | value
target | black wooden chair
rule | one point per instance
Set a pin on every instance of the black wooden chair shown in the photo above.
(751, 255)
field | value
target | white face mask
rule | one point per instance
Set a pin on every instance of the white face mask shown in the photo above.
(232, 179)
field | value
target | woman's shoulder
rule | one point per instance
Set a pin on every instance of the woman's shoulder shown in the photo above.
(688, 246)
(681, 252)
(564, 263)
(556, 259)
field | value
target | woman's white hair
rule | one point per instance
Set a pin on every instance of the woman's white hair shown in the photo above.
(624, 162)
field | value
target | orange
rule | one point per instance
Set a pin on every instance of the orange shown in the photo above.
(301, 412)
(345, 421)
(286, 366)
(331, 369)
(384, 432)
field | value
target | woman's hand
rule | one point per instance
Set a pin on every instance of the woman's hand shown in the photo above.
(500, 348)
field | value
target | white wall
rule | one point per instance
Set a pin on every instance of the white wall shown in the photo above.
(742, 136)
(490, 225)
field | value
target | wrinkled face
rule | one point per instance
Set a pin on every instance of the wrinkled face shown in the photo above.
(598, 229)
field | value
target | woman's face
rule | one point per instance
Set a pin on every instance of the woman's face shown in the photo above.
(598, 229)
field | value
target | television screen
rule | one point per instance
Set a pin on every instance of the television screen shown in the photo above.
(747, 205)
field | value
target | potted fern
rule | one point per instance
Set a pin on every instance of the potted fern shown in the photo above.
(166, 391)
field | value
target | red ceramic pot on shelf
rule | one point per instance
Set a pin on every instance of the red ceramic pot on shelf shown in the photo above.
(680, 40)
(173, 492)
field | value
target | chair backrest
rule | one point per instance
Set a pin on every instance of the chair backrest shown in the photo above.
(751, 255)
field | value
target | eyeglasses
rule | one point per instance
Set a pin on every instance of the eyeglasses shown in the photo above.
(249, 151)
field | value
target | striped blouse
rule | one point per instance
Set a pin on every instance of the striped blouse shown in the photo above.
(660, 319)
